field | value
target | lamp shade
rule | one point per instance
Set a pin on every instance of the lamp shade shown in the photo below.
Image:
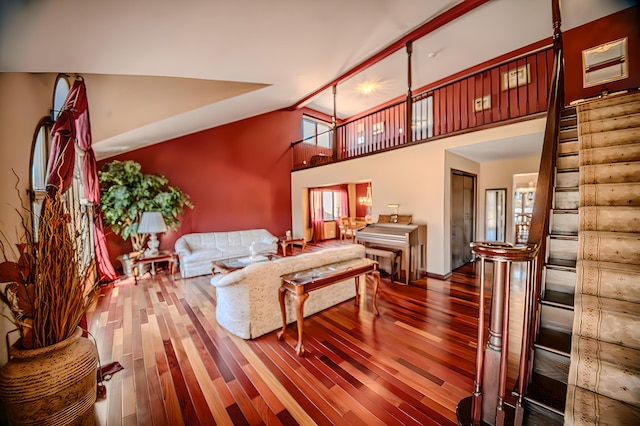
(151, 223)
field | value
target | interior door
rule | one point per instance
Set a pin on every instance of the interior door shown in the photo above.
(463, 195)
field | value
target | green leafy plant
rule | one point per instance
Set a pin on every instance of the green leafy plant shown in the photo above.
(126, 193)
(47, 292)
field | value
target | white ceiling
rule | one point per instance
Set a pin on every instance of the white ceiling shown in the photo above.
(159, 69)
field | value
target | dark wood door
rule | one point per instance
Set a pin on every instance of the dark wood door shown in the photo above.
(462, 217)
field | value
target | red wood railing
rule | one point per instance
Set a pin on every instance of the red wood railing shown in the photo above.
(515, 89)
(487, 404)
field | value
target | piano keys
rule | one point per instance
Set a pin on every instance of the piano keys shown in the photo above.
(411, 239)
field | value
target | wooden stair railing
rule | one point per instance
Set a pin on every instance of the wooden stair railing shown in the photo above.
(487, 404)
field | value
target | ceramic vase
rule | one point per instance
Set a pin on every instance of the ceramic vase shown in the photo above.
(54, 385)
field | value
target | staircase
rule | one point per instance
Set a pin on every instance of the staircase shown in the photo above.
(546, 395)
(604, 376)
(587, 353)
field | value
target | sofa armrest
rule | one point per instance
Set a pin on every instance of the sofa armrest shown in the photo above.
(182, 247)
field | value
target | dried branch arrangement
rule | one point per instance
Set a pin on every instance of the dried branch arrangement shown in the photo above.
(47, 293)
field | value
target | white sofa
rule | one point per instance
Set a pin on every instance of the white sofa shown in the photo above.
(247, 303)
(197, 251)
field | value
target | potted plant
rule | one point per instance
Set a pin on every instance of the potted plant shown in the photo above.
(126, 193)
(51, 372)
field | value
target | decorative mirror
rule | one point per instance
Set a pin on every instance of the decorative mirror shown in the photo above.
(495, 216)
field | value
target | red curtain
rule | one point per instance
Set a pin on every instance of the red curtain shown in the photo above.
(73, 123)
(317, 215)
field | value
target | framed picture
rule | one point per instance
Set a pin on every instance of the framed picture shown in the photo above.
(516, 77)
(378, 128)
(605, 63)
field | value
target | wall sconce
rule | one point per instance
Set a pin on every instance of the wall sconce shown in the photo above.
(152, 223)
(394, 217)
(366, 201)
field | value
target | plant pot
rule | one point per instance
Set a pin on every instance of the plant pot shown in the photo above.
(55, 385)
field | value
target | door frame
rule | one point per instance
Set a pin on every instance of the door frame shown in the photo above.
(474, 209)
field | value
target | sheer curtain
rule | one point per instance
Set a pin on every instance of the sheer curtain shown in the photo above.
(317, 214)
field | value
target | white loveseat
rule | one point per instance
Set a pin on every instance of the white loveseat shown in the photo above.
(247, 301)
(197, 251)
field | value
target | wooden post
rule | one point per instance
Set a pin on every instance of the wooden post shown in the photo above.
(493, 351)
(334, 130)
(409, 130)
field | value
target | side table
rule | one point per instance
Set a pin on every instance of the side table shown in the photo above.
(286, 242)
(162, 256)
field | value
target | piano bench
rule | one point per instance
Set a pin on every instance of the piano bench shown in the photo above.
(393, 255)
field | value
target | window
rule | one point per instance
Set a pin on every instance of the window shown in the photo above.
(331, 205)
(316, 132)
(378, 128)
(39, 157)
(422, 112)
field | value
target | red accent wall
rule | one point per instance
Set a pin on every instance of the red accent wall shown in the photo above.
(238, 176)
(613, 27)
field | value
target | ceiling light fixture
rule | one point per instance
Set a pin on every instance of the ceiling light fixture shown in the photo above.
(367, 87)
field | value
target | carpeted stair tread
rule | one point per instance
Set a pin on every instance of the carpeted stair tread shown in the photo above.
(606, 368)
(610, 194)
(610, 173)
(610, 100)
(608, 124)
(606, 139)
(586, 408)
(610, 154)
(619, 247)
(609, 320)
(617, 110)
(609, 218)
(608, 279)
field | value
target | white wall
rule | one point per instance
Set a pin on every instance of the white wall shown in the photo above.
(416, 177)
(499, 174)
(26, 98)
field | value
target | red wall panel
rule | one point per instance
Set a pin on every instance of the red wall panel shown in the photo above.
(238, 176)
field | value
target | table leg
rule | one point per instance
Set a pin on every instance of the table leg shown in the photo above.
(357, 279)
(283, 311)
(300, 299)
(374, 292)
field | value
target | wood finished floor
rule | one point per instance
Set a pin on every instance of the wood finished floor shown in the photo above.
(410, 365)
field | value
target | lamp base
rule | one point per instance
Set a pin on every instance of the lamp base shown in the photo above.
(153, 245)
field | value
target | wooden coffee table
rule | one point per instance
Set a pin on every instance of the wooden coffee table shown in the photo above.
(300, 284)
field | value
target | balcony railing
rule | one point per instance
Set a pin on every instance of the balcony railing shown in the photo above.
(515, 89)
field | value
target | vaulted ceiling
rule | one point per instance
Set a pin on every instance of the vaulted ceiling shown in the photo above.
(159, 69)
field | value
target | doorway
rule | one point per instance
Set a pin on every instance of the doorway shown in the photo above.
(463, 212)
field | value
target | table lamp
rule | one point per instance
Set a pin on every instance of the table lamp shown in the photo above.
(152, 223)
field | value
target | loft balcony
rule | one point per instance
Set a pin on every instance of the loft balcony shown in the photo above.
(511, 91)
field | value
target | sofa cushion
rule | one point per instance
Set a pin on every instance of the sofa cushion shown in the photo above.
(196, 251)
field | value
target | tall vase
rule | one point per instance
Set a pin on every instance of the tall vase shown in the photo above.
(55, 385)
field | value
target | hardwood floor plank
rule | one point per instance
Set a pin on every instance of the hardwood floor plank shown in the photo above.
(410, 365)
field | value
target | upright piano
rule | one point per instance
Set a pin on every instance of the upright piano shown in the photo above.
(411, 239)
